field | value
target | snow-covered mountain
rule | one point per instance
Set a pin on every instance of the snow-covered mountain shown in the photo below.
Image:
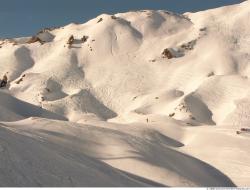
(145, 98)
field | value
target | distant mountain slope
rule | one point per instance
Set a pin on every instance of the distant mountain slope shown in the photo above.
(121, 58)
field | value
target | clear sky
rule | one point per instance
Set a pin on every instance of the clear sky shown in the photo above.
(26, 17)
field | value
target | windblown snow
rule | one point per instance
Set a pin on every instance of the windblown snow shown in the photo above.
(144, 98)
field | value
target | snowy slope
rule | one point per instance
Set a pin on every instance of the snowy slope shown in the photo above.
(135, 92)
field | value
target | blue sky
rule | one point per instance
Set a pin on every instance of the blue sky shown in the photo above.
(26, 17)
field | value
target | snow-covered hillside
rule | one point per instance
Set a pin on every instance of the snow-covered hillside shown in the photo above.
(145, 98)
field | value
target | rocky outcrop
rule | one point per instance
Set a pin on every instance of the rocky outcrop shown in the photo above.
(167, 54)
(4, 81)
(70, 41)
(35, 39)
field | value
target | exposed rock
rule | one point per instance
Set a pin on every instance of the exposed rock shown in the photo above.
(18, 81)
(21, 79)
(171, 115)
(114, 17)
(203, 29)
(4, 81)
(245, 129)
(134, 97)
(70, 41)
(182, 107)
(167, 54)
(189, 46)
(84, 38)
(34, 39)
(100, 20)
(210, 74)
(48, 29)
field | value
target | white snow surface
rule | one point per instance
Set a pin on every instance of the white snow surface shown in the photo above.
(110, 110)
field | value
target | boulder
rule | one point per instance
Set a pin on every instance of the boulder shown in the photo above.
(167, 54)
